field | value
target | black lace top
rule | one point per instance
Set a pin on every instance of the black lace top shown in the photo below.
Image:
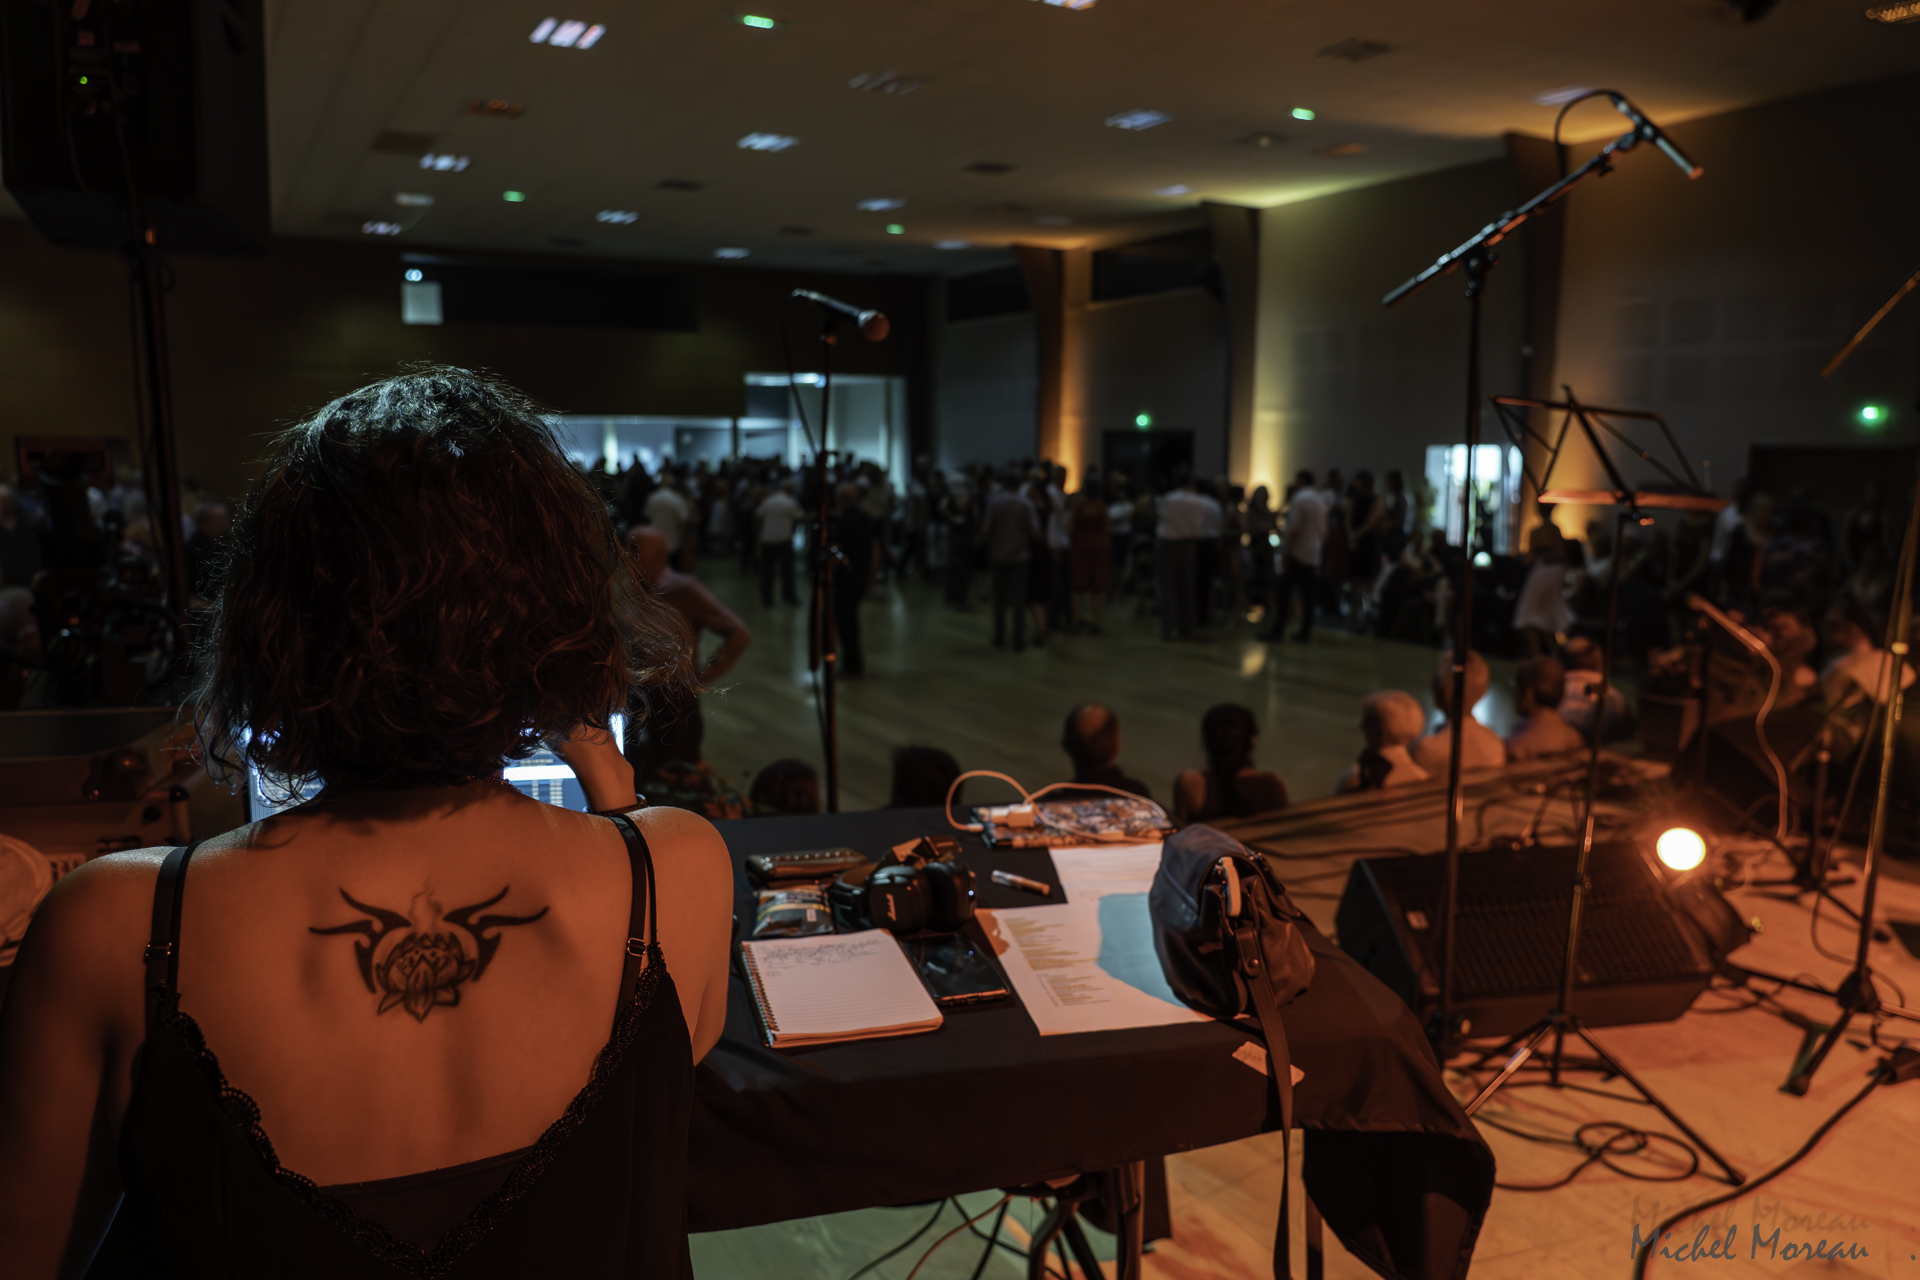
(602, 1194)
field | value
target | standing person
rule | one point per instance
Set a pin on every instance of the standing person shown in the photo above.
(1394, 529)
(19, 542)
(669, 728)
(1366, 515)
(1119, 533)
(959, 516)
(1233, 555)
(1176, 534)
(206, 549)
(1059, 585)
(1090, 555)
(1040, 565)
(404, 1041)
(1301, 544)
(669, 511)
(776, 516)
(856, 539)
(1541, 614)
(1333, 558)
(1008, 530)
(1206, 552)
(1261, 524)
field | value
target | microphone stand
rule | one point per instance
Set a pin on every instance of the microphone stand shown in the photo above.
(821, 649)
(1477, 258)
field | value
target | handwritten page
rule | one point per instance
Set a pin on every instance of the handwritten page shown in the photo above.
(835, 987)
(1088, 964)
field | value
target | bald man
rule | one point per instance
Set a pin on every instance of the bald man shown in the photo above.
(1091, 739)
(672, 729)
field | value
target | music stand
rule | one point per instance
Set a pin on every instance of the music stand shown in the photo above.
(1629, 503)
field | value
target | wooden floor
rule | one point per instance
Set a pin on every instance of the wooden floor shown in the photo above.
(933, 680)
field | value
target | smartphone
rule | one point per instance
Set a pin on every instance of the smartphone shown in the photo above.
(956, 971)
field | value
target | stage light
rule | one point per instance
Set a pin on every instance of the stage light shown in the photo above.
(766, 142)
(621, 217)
(879, 204)
(730, 253)
(1873, 416)
(444, 163)
(1681, 849)
(1303, 113)
(1143, 420)
(1137, 121)
(415, 275)
(513, 197)
(1177, 189)
(895, 229)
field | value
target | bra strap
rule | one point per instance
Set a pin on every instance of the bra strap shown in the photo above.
(638, 944)
(163, 945)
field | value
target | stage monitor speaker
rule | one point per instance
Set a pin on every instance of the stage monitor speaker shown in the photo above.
(1640, 961)
(189, 133)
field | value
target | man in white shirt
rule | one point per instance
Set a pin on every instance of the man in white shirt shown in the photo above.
(1303, 537)
(1182, 515)
(1206, 552)
(1479, 745)
(669, 511)
(777, 514)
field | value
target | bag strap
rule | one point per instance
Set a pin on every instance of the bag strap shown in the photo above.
(1250, 960)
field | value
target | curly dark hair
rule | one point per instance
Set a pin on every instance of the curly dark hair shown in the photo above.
(420, 585)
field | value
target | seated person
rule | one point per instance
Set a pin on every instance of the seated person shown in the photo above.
(460, 599)
(1856, 664)
(1538, 687)
(784, 787)
(1583, 660)
(1231, 786)
(1390, 720)
(1091, 739)
(922, 776)
(1479, 746)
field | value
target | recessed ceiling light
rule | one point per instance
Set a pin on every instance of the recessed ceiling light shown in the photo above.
(1053, 220)
(1895, 14)
(730, 253)
(1303, 113)
(513, 197)
(1070, 4)
(1354, 49)
(1561, 97)
(1344, 150)
(415, 275)
(567, 33)
(619, 217)
(895, 229)
(380, 228)
(880, 204)
(444, 163)
(953, 244)
(418, 199)
(1137, 121)
(1177, 189)
(766, 142)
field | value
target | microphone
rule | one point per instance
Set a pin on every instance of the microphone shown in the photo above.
(873, 324)
(1652, 133)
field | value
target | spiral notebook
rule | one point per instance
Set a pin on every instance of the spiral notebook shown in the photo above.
(835, 987)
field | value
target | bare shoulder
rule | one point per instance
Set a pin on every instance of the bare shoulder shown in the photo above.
(103, 897)
(684, 838)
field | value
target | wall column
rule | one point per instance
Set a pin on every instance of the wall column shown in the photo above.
(1060, 283)
(1236, 255)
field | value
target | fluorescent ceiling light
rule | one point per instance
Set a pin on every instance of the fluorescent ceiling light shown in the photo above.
(567, 34)
(766, 142)
(622, 217)
(444, 163)
(895, 229)
(380, 228)
(545, 29)
(418, 199)
(1561, 97)
(513, 197)
(880, 204)
(730, 253)
(1303, 113)
(590, 37)
(759, 22)
(953, 244)
(1137, 121)
(1177, 189)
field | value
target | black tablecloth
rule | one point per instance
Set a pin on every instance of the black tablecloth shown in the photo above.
(1396, 1168)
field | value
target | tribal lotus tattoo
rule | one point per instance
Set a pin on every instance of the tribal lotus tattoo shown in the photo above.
(419, 961)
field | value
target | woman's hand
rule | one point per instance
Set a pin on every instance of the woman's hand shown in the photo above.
(604, 773)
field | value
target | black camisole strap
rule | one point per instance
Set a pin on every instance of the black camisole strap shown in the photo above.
(163, 944)
(639, 944)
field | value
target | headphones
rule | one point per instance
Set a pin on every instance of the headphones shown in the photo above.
(919, 885)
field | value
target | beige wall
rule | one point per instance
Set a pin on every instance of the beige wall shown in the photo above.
(257, 342)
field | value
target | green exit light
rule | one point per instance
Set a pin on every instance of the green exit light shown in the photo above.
(1873, 415)
(755, 20)
(1143, 420)
(1303, 113)
(513, 197)
(895, 229)
(84, 80)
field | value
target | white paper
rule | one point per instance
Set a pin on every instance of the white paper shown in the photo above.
(1088, 964)
(840, 985)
